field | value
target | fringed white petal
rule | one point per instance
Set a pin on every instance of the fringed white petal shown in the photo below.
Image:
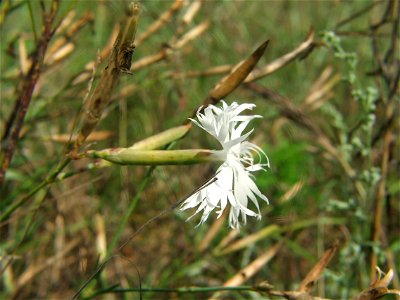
(233, 182)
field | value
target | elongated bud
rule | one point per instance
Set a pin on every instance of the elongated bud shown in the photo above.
(161, 139)
(130, 156)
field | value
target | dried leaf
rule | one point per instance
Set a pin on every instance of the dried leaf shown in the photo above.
(312, 277)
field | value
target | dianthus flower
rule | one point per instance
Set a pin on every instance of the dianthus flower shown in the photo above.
(233, 182)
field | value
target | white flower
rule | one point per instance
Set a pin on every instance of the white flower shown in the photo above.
(233, 181)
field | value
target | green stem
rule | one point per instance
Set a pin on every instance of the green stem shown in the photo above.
(176, 290)
(50, 179)
(129, 212)
(32, 21)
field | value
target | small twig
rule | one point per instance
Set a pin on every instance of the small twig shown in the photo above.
(296, 115)
(357, 14)
(32, 19)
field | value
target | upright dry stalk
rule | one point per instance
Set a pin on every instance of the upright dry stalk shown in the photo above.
(120, 62)
(388, 74)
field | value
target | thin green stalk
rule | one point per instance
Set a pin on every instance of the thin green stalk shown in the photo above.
(176, 290)
(50, 179)
(32, 20)
(129, 211)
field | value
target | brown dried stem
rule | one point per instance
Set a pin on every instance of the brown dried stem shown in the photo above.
(388, 74)
(16, 120)
(120, 62)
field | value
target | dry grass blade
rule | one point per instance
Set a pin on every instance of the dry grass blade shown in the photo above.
(274, 229)
(32, 271)
(191, 35)
(150, 59)
(250, 239)
(93, 137)
(192, 10)
(23, 56)
(255, 266)
(321, 91)
(160, 22)
(226, 241)
(66, 22)
(63, 46)
(312, 277)
(212, 232)
(229, 83)
(250, 270)
(282, 61)
(101, 237)
(167, 50)
(291, 192)
(104, 53)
